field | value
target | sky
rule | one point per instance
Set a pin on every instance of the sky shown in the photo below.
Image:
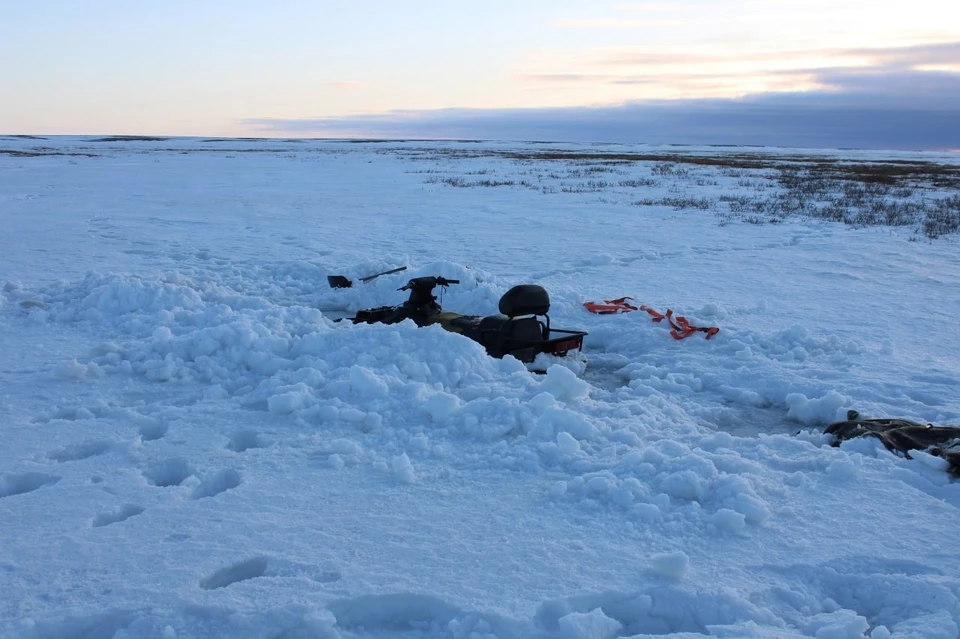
(830, 73)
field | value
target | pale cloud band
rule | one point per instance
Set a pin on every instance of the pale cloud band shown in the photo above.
(904, 99)
(349, 85)
(728, 73)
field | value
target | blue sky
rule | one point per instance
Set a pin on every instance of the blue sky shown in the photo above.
(810, 73)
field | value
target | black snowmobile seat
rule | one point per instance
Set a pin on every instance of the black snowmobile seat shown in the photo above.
(500, 335)
(521, 337)
(487, 331)
(525, 299)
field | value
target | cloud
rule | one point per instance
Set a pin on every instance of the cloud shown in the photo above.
(346, 84)
(889, 105)
(612, 23)
(938, 53)
(669, 73)
(879, 56)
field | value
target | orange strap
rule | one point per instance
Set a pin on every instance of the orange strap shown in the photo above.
(680, 326)
(610, 307)
(655, 315)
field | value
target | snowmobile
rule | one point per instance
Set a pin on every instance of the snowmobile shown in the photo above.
(522, 328)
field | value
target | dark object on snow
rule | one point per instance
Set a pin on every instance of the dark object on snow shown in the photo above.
(522, 328)
(901, 435)
(339, 281)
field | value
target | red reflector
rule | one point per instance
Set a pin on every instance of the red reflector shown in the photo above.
(566, 345)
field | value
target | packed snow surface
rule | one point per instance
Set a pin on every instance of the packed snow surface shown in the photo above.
(192, 447)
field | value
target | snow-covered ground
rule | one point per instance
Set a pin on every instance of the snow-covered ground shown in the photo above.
(192, 448)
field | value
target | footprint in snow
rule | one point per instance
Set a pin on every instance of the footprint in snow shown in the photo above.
(216, 484)
(242, 571)
(171, 472)
(11, 484)
(245, 440)
(392, 612)
(153, 431)
(128, 511)
(76, 452)
(327, 576)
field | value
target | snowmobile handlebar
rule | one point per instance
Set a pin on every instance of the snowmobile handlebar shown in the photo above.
(427, 283)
